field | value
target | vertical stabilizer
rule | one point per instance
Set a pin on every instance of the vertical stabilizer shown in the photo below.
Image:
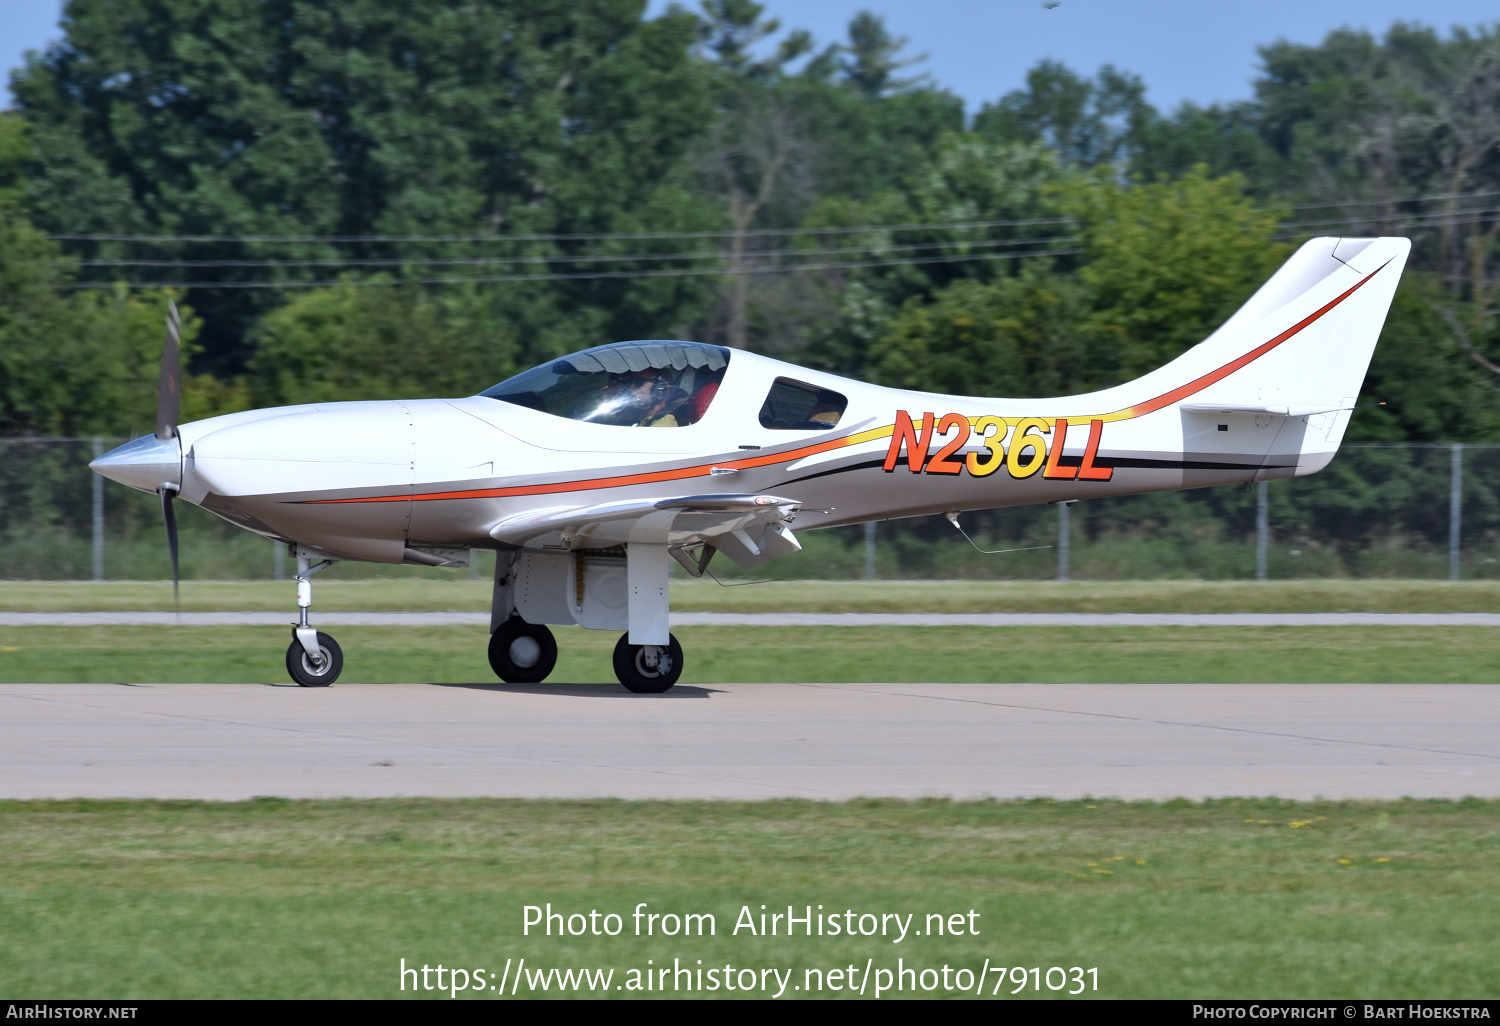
(1295, 353)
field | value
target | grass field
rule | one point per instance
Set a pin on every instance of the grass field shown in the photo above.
(1252, 898)
(1466, 655)
(722, 655)
(1384, 596)
(322, 899)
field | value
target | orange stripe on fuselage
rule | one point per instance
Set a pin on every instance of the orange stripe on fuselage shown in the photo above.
(625, 480)
(1198, 385)
(703, 469)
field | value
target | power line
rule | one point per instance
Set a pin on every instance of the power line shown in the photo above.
(600, 237)
(685, 272)
(797, 259)
(719, 234)
(1290, 231)
(1436, 218)
(571, 259)
(1435, 221)
(1401, 199)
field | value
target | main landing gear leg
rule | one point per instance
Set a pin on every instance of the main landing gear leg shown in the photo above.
(648, 660)
(313, 659)
(520, 652)
(648, 669)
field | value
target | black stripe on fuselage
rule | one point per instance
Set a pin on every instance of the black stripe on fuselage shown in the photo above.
(1129, 462)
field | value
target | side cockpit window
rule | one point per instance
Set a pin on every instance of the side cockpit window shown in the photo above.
(795, 406)
(628, 384)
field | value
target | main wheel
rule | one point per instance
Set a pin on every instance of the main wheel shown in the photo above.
(521, 652)
(633, 671)
(305, 673)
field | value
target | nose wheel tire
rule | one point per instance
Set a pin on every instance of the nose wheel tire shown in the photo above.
(635, 671)
(521, 652)
(309, 674)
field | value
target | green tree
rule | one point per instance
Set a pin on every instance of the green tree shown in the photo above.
(1434, 388)
(15, 154)
(963, 178)
(1164, 263)
(757, 155)
(355, 341)
(1087, 122)
(1224, 139)
(874, 58)
(78, 362)
(1385, 121)
(841, 126)
(275, 118)
(1017, 336)
(731, 27)
(1167, 262)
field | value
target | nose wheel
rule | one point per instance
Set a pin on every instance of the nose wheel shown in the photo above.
(314, 672)
(521, 652)
(647, 669)
(313, 659)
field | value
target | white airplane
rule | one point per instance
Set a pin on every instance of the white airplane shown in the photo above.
(589, 474)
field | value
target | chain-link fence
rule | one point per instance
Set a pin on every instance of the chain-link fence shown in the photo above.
(1407, 510)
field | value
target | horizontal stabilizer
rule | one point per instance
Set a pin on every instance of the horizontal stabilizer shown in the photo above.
(1271, 409)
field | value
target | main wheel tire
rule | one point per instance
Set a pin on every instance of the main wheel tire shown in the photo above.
(305, 673)
(521, 652)
(631, 669)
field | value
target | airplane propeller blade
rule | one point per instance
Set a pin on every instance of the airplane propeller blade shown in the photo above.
(169, 517)
(169, 384)
(168, 413)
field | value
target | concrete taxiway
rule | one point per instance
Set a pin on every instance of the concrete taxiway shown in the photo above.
(833, 741)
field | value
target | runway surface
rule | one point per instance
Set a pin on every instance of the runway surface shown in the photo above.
(338, 619)
(235, 741)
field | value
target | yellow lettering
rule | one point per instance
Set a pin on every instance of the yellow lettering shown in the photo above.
(995, 443)
(1026, 437)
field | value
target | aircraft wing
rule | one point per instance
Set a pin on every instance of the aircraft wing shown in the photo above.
(749, 529)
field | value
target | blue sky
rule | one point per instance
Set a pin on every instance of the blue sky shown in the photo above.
(1184, 49)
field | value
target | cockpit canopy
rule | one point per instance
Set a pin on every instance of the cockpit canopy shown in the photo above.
(628, 384)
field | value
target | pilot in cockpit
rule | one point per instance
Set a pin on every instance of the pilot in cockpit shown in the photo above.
(646, 398)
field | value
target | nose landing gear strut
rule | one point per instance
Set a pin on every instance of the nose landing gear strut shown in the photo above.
(313, 659)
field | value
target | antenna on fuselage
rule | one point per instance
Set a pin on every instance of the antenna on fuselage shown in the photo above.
(952, 517)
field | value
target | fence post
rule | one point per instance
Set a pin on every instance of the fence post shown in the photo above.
(870, 551)
(1062, 541)
(1262, 529)
(98, 513)
(278, 560)
(1455, 509)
